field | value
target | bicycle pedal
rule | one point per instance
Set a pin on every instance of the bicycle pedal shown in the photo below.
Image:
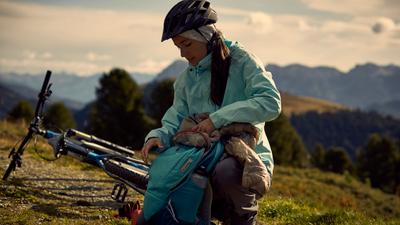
(119, 192)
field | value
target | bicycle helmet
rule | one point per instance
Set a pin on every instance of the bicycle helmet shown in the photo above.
(187, 15)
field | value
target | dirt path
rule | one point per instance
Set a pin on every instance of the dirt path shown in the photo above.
(62, 192)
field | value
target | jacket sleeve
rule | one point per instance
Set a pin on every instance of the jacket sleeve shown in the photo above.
(173, 117)
(262, 103)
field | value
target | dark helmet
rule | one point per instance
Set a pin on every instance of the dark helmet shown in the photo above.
(187, 15)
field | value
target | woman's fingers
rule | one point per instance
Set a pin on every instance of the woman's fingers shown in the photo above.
(159, 144)
(151, 143)
(144, 153)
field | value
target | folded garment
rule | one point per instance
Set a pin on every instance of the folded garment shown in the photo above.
(255, 173)
(240, 141)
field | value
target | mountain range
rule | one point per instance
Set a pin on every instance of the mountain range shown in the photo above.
(80, 89)
(367, 87)
(11, 94)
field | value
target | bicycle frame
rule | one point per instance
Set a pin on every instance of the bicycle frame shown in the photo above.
(119, 165)
(115, 160)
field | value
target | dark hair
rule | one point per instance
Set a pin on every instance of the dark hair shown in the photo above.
(221, 61)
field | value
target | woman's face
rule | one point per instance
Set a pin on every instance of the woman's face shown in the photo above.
(192, 50)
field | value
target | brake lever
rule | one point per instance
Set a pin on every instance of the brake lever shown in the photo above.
(11, 152)
(48, 91)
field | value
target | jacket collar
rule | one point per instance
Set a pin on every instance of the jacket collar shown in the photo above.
(203, 65)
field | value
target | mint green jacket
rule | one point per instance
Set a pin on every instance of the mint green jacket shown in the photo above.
(250, 96)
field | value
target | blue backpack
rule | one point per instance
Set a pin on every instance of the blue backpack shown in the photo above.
(177, 182)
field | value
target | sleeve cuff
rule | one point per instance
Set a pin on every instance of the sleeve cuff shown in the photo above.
(156, 134)
(216, 120)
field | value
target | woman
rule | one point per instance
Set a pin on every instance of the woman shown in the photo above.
(230, 84)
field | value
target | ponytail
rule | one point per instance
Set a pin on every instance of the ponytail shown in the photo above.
(221, 61)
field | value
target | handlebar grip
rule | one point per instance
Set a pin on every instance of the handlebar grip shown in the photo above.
(45, 83)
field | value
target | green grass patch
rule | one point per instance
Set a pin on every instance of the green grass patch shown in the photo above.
(290, 211)
(59, 215)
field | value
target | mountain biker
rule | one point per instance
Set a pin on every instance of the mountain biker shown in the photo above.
(229, 83)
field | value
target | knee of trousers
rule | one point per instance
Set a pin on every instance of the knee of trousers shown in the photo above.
(227, 187)
(227, 174)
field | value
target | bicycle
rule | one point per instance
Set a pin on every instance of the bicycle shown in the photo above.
(116, 161)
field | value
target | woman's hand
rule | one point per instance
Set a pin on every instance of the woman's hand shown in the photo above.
(151, 143)
(206, 126)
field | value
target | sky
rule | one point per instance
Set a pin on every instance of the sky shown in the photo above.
(92, 36)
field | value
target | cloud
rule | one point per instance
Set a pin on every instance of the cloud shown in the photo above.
(91, 56)
(260, 21)
(39, 65)
(76, 34)
(47, 55)
(7, 10)
(256, 21)
(87, 40)
(388, 8)
(304, 25)
(226, 11)
(383, 25)
(351, 7)
(314, 41)
(28, 54)
(149, 66)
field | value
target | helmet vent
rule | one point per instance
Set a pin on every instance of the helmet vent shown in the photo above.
(194, 5)
(206, 5)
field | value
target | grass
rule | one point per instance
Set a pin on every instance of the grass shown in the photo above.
(53, 214)
(293, 211)
(301, 104)
(334, 191)
(298, 196)
(309, 196)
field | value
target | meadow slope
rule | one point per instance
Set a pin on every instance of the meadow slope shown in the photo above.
(67, 191)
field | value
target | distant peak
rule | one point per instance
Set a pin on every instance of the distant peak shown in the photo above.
(172, 71)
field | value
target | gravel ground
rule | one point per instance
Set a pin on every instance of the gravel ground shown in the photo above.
(66, 188)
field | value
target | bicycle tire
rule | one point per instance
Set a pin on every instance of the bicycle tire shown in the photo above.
(134, 175)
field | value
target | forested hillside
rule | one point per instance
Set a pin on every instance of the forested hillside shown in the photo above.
(348, 129)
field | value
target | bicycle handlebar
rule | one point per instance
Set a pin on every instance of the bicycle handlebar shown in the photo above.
(33, 127)
(43, 94)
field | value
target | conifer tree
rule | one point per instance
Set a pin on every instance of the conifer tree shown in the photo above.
(337, 160)
(287, 146)
(117, 114)
(162, 98)
(59, 116)
(378, 162)
(318, 156)
(22, 111)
